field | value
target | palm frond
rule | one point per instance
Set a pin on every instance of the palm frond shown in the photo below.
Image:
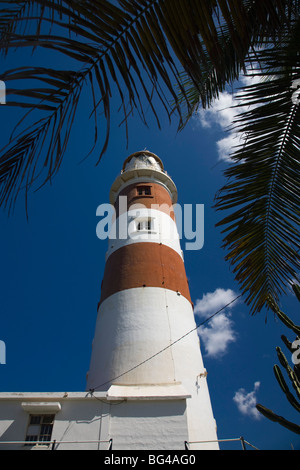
(262, 193)
(238, 34)
(21, 163)
(133, 47)
(102, 45)
(141, 47)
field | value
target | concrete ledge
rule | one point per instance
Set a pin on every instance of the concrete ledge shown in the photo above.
(51, 397)
(144, 175)
(147, 392)
(41, 407)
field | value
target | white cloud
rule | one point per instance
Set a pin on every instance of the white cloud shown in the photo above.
(213, 301)
(246, 401)
(217, 336)
(222, 112)
(219, 332)
(223, 116)
(227, 145)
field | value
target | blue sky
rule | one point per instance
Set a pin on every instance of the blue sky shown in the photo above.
(52, 266)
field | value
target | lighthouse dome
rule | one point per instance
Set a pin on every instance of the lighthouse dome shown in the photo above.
(141, 167)
(143, 159)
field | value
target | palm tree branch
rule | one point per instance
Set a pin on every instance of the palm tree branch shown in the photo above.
(93, 60)
(113, 44)
(262, 234)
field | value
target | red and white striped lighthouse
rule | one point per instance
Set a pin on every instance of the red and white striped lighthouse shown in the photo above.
(145, 304)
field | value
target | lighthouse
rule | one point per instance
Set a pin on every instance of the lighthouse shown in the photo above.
(146, 353)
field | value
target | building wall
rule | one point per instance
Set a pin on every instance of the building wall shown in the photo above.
(164, 426)
(135, 324)
(134, 424)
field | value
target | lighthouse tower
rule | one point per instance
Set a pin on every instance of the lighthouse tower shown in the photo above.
(145, 354)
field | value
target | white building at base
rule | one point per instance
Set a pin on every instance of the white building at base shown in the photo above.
(146, 385)
(152, 418)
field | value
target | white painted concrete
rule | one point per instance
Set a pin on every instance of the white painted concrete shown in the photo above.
(77, 418)
(173, 391)
(85, 422)
(163, 423)
(124, 231)
(135, 324)
(142, 175)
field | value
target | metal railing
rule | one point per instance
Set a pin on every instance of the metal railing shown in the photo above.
(53, 445)
(241, 439)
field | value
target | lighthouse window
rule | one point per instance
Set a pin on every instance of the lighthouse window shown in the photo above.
(144, 191)
(144, 225)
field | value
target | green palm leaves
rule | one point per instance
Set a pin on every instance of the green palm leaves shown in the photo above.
(108, 50)
(262, 193)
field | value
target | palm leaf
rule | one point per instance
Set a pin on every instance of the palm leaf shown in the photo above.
(141, 47)
(262, 193)
(21, 163)
(109, 47)
(132, 47)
